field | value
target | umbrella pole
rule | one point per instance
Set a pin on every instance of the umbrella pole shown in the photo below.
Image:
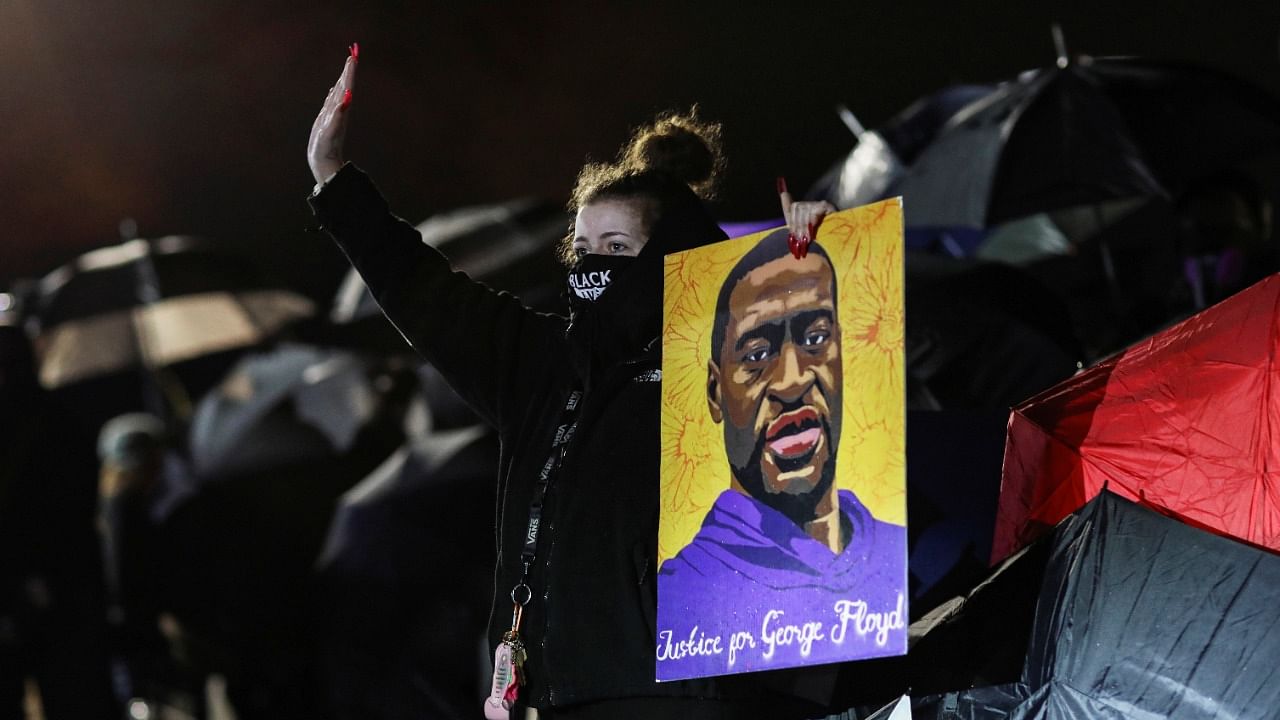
(1114, 295)
(1109, 271)
(170, 398)
(1060, 45)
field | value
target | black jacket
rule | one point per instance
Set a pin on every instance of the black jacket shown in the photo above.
(590, 627)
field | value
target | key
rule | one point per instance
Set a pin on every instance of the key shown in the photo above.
(518, 656)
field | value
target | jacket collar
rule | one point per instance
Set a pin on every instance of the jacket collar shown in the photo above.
(626, 321)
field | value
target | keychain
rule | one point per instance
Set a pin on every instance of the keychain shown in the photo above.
(510, 655)
(508, 662)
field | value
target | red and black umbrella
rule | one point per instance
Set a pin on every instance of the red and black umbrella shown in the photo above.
(1186, 422)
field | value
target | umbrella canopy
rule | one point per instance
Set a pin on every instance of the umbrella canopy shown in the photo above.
(1085, 173)
(1141, 616)
(272, 449)
(287, 405)
(149, 304)
(1095, 130)
(881, 156)
(1031, 168)
(406, 571)
(981, 335)
(1187, 421)
(899, 709)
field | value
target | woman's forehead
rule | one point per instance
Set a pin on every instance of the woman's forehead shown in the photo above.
(613, 210)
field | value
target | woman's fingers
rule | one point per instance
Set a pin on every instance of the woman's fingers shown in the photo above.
(324, 146)
(785, 197)
(348, 78)
(789, 217)
(803, 220)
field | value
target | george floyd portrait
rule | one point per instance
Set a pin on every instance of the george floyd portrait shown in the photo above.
(783, 538)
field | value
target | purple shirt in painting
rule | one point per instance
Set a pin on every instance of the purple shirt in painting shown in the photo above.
(752, 591)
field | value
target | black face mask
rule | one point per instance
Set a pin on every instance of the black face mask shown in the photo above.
(592, 275)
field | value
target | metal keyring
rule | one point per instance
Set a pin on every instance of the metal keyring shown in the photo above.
(527, 594)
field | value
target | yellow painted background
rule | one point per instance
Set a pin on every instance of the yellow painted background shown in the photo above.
(865, 246)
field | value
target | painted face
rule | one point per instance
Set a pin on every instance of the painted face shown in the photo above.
(778, 383)
(611, 226)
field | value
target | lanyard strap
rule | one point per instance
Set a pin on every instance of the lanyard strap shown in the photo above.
(521, 593)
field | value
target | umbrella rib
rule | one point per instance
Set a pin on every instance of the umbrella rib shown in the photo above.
(1084, 459)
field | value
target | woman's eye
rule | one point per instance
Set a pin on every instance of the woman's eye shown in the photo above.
(617, 248)
(579, 252)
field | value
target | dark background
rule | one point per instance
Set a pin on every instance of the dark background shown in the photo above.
(192, 117)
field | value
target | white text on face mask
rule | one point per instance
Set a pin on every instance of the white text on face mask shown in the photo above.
(589, 280)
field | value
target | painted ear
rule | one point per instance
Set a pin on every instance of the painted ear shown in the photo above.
(713, 391)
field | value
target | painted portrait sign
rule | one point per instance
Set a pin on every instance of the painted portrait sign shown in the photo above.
(782, 539)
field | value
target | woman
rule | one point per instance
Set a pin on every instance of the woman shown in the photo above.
(576, 407)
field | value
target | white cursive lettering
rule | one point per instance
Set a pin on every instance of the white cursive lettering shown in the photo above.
(864, 622)
(741, 640)
(788, 634)
(697, 644)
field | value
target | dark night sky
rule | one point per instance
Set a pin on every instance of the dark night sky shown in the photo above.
(192, 117)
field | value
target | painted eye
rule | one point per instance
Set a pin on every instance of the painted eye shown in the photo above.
(758, 355)
(817, 337)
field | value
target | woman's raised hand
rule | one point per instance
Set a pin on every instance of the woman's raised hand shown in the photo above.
(803, 218)
(324, 148)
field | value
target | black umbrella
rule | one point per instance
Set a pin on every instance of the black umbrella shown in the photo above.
(1078, 134)
(150, 325)
(882, 155)
(981, 334)
(1120, 613)
(406, 572)
(1075, 171)
(273, 448)
(291, 404)
(151, 303)
(1137, 615)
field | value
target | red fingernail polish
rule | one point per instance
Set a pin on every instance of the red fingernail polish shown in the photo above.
(782, 184)
(804, 245)
(355, 51)
(813, 230)
(346, 99)
(793, 245)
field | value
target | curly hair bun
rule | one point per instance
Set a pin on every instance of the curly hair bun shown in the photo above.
(675, 146)
(681, 145)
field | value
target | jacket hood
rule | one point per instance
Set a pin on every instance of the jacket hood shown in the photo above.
(758, 542)
(626, 320)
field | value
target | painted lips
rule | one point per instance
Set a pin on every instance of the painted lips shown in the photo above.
(794, 434)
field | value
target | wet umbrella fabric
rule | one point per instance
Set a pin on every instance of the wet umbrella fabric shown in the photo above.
(1185, 421)
(1139, 615)
(274, 447)
(881, 156)
(899, 709)
(1096, 130)
(981, 335)
(149, 304)
(405, 574)
(287, 405)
